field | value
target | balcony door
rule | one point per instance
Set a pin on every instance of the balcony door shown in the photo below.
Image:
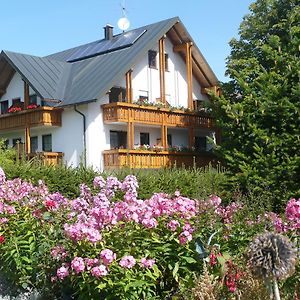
(118, 139)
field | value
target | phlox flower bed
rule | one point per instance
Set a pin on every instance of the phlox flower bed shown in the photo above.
(109, 244)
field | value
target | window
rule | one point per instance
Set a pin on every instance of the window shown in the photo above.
(152, 59)
(166, 62)
(144, 138)
(33, 99)
(118, 139)
(200, 143)
(117, 94)
(33, 144)
(16, 141)
(169, 139)
(47, 143)
(16, 101)
(4, 107)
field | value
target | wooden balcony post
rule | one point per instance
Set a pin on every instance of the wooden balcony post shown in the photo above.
(130, 135)
(162, 67)
(189, 72)
(27, 140)
(26, 95)
(191, 137)
(129, 90)
(164, 136)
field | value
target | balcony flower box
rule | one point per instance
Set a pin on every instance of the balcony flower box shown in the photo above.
(14, 109)
(32, 106)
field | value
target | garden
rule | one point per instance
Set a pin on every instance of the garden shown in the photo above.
(106, 242)
(194, 234)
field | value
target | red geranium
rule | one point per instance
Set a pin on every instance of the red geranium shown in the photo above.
(2, 239)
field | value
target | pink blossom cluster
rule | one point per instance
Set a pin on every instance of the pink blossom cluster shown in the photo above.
(79, 265)
(127, 262)
(289, 222)
(97, 267)
(227, 213)
(147, 263)
(292, 213)
(93, 213)
(23, 193)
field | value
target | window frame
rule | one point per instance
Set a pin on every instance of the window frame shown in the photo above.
(146, 137)
(7, 107)
(31, 143)
(167, 62)
(152, 59)
(44, 144)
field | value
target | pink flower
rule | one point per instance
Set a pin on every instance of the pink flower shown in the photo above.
(62, 272)
(127, 262)
(93, 235)
(188, 227)
(173, 224)
(58, 252)
(99, 182)
(51, 204)
(77, 265)
(150, 223)
(292, 211)
(2, 176)
(91, 262)
(185, 237)
(107, 256)
(147, 263)
(3, 220)
(215, 200)
(10, 209)
(99, 271)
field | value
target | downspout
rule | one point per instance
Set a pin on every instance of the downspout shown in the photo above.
(84, 134)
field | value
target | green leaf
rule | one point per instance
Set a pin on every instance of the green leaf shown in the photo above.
(175, 270)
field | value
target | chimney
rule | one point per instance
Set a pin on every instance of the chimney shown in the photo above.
(108, 32)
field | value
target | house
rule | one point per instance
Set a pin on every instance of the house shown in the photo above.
(131, 99)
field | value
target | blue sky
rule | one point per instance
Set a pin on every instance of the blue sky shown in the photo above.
(41, 27)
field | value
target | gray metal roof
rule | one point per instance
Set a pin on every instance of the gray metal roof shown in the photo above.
(52, 77)
(43, 75)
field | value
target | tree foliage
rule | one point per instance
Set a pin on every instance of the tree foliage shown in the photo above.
(259, 110)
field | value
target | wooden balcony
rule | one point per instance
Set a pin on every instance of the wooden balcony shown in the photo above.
(143, 159)
(41, 116)
(125, 112)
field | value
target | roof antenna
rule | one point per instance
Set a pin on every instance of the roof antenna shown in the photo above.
(123, 22)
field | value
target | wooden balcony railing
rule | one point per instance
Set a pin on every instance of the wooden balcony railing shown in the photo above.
(46, 158)
(41, 116)
(123, 112)
(143, 159)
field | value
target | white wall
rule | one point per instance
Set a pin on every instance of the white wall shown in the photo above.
(15, 89)
(146, 79)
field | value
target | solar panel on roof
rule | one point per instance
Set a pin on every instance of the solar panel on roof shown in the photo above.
(105, 46)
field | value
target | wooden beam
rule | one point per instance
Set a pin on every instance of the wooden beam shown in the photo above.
(189, 72)
(27, 140)
(129, 90)
(2, 91)
(162, 68)
(191, 137)
(130, 135)
(182, 47)
(26, 95)
(164, 136)
(215, 89)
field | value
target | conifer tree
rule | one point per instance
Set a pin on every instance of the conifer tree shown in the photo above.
(258, 112)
